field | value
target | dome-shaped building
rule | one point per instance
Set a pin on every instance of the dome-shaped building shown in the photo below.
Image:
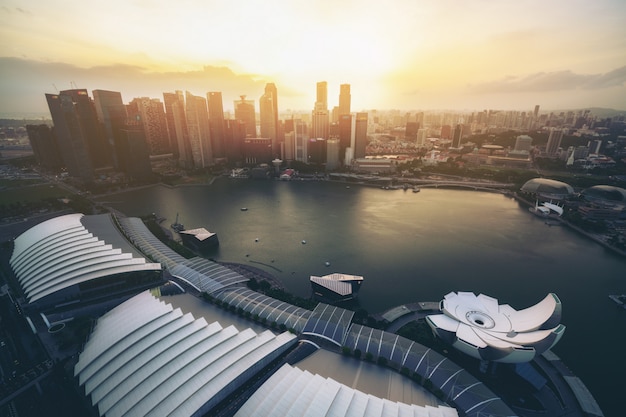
(547, 188)
(606, 194)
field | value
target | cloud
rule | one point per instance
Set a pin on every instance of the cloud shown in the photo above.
(552, 81)
(24, 82)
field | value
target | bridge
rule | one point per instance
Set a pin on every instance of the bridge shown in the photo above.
(474, 185)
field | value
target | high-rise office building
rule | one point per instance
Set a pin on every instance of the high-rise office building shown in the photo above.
(301, 140)
(360, 135)
(446, 132)
(345, 135)
(320, 118)
(421, 137)
(316, 151)
(132, 140)
(244, 111)
(320, 124)
(151, 114)
(267, 111)
(234, 135)
(332, 154)
(111, 113)
(290, 145)
(410, 131)
(45, 146)
(216, 124)
(457, 135)
(344, 99)
(199, 134)
(69, 110)
(321, 100)
(177, 127)
(554, 141)
(536, 112)
(272, 91)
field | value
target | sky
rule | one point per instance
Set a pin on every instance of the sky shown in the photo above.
(399, 54)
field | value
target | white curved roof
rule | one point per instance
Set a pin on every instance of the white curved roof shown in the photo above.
(146, 358)
(293, 392)
(69, 250)
(480, 327)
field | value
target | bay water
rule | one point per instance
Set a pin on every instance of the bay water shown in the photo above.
(412, 247)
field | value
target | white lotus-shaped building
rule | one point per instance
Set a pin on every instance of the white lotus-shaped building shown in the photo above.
(484, 329)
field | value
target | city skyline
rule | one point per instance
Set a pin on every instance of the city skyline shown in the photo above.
(426, 55)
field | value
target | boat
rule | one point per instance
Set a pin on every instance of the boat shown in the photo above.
(416, 189)
(177, 226)
(546, 209)
(304, 242)
(244, 209)
(620, 299)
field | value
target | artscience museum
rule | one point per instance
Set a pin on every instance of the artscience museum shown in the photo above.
(480, 327)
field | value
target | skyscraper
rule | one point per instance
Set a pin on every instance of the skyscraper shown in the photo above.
(446, 131)
(321, 101)
(410, 132)
(216, 124)
(44, 146)
(301, 140)
(234, 135)
(244, 111)
(320, 124)
(360, 135)
(267, 111)
(199, 134)
(344, 99)
(457, 135)
(332, 154)
(177, 126)
(421, 137)
(345, 135)
(111, 113)
(320, 121)
(132, 140)
(554, 141)
(74, 145)
(151, 114)
(270, 90)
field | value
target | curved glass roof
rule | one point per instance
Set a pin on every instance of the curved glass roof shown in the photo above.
(547, 187)
(607, 193)
(206, 275)
(265, 307)
(137, 232)
(71, 249)
(459, 387)
(144, 357)
(329, 322)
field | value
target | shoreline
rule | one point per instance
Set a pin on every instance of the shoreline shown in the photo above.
(573, 227)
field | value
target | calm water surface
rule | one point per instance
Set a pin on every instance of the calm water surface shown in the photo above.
(413, 247)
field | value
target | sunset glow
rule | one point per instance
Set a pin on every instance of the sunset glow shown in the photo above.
(404, 54)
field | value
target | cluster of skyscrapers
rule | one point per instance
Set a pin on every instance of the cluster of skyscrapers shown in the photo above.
(102, 132)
